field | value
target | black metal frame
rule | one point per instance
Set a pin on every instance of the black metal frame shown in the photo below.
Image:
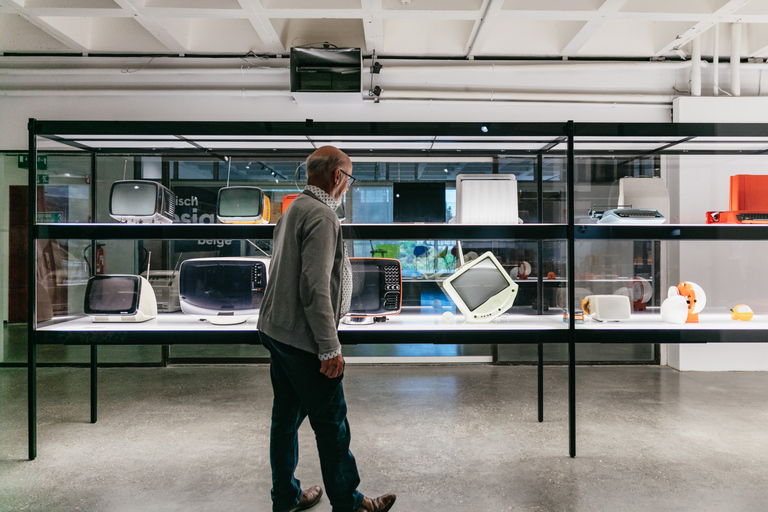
(553, 134)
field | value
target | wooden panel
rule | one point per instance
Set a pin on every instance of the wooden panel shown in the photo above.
(18, 253)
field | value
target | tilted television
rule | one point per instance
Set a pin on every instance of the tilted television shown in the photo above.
(119, 298)
(141, 202)
(242, 205)
(376, 289)
(223, 290)
(481, 289)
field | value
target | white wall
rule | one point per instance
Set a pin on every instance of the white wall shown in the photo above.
(730, 272)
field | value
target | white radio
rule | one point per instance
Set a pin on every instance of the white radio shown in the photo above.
(607, 308)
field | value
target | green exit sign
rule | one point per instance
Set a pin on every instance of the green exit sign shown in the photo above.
(42, 179)
(42, 162)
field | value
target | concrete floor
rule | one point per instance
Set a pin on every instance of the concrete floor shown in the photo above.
(444, 438)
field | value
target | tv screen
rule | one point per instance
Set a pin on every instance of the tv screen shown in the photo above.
(133, 198)
(418, 202)
(221, 285)
(366, 286)
(479, 284)
(376, 284)
(112, 295)
(240, 202)
(326, 69)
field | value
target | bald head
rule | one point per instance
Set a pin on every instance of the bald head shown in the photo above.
(322, 166)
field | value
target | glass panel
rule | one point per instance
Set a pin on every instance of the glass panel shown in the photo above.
(727, 274)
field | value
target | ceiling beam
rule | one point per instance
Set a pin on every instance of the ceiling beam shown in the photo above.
(73, 12)
(722, 15)
(151, 25)
(591, 27)
(481, 32)
(760, 53)
(14, 8)
(259, 19)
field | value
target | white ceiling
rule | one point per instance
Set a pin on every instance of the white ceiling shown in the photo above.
(419, 28)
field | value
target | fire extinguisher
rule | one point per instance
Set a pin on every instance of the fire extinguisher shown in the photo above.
(99, 258)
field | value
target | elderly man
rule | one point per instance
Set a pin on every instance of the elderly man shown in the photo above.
(308, 291)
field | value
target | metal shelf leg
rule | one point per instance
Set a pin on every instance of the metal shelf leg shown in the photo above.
(94, 382)
(32, 398)
(541, 382)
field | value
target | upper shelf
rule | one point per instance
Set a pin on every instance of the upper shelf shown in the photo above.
(219, 139)
(408, 232)
(264, 231)
(672, 232)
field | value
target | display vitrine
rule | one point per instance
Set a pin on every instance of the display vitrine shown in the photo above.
(576, 235)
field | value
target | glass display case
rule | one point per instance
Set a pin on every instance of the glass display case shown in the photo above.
(609, 229)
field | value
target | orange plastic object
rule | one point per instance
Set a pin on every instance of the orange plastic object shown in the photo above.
(287, 200)
(686, 290)
(749, 193)
(737, 217)
(551, 275)
(748, 202)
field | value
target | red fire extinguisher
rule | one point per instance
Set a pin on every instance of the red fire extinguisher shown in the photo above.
(99, 258)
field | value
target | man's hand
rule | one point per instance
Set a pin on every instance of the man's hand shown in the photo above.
(332, 368)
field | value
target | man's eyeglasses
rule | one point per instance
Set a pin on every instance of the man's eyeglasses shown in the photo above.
(350, 178)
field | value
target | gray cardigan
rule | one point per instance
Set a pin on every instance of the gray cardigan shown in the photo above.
(302, 302)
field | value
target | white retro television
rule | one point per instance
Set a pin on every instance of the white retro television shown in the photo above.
(119, 298)
(486, 199)
(481, 289)
(242, 205)
(165, 283)
(141, 202)
(223, 291)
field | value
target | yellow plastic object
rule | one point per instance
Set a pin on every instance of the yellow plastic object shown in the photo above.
(742, 312)
(266, 214)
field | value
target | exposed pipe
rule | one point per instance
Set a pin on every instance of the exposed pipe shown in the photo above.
(129, 70)
(146, 92)
(526, 96)
(565, 65)
(696, 66)
(716, 62)
(736, 59)
(387, 94)
(388, 69)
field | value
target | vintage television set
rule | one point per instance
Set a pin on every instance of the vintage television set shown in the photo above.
(481, 289)
(223, 291)
(165, 283)
(242, 205)
(119, 298)
(486, 199)
(418, 202)
(376, 289)
(141, 202)
(326, 70)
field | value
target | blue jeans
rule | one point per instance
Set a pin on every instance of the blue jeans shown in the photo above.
(301, 390)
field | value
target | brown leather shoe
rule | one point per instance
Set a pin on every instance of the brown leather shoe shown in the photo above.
(380, 504)
(309, 499)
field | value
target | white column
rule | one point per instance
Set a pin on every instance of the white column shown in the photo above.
(716, 62)
(736, 59)
(696, 67)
